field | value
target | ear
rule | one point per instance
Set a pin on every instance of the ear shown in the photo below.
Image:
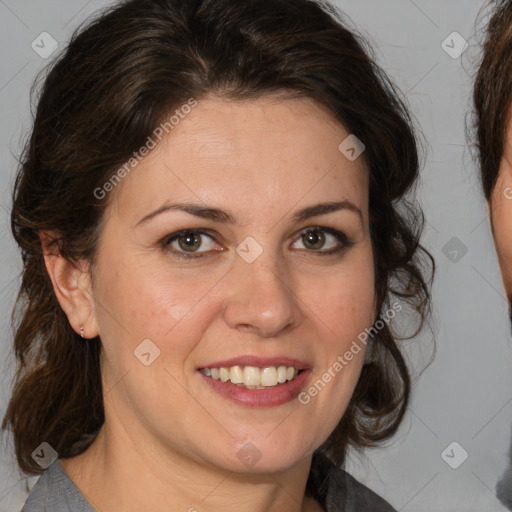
(72, 286)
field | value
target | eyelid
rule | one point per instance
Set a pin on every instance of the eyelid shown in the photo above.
(201, 231)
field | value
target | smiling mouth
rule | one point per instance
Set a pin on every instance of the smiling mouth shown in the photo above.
(253, 377)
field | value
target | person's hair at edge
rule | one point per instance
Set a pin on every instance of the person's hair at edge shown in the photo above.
(492, 93)
(118, 78)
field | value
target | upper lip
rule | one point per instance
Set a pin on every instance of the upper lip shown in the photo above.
(260, 362)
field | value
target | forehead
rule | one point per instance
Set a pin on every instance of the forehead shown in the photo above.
(270, 150)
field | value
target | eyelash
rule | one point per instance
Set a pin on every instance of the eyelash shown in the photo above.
(344, 241)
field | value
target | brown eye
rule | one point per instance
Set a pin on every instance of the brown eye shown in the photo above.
(322, 240)
(189, 242)
(313, 240)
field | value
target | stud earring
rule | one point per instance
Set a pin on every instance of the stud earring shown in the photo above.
(82, 331)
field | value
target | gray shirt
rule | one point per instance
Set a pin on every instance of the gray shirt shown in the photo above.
(55, 492)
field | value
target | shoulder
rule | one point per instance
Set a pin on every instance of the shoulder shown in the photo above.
(347, 494)
(55, 492)
(340, 492)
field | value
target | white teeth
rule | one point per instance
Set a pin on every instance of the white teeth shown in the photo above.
(269, 376)
(236, 375)
(282, 374)
(224, 374)
(252, 377)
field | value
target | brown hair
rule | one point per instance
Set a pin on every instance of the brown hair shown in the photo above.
(492, 94)
(100, 101)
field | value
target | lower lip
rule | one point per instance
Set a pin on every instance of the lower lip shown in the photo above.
(270, 397)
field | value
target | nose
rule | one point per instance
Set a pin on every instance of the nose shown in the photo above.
(261, 299)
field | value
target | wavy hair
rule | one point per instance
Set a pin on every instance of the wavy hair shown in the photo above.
(492, 93)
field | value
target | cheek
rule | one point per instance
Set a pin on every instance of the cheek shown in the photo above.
(345, 300)
(343, 307)
(139, 298)
(501, 213)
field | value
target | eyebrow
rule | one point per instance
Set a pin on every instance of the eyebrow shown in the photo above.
(226, 217)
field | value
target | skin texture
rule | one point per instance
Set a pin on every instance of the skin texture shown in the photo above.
(501, 213)
(168, 438)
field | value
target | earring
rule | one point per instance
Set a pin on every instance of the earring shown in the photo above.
(82, 331)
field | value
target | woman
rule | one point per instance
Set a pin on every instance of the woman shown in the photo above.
(492, 97)
(212, 216)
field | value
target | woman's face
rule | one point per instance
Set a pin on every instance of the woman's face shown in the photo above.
(501, 212)
(275, 269)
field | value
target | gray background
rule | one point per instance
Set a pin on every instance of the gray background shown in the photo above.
(465, 395)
